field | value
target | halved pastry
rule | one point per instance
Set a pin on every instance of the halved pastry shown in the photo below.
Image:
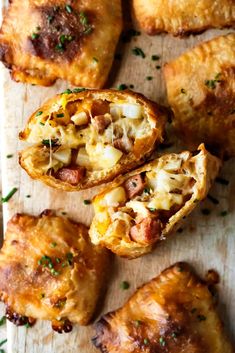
(142, 208)
(181, 17)
(175, 313)
(201, 92)
(41, 41)
(84, 139)
(49, 270)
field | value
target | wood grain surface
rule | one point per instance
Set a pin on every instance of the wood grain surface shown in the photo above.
(206, 241)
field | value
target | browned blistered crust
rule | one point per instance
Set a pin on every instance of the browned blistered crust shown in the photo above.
(201, 92)
(30, 289)
(204, 169)
(175, 313)
(142, 148)
(183, 17)
(41, 41)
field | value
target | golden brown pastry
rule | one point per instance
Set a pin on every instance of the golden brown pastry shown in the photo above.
(173, 313)
(84, 139)
(144, 207)
(42, 40)
(49, 270)
(201, 92)
(181, 17)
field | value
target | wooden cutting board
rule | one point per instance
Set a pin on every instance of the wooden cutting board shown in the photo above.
(206, 241)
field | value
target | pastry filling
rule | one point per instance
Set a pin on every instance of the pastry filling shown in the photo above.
(145, 202)
(86, 135)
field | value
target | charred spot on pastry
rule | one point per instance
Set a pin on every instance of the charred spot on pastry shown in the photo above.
(17, 319)
(5, 55)
(61, 33)
(62, 326)
(46, 212)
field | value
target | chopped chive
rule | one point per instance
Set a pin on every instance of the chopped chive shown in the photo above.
(3, 320)
(147, 190)
(38, 28)
(34, 35)
(212, 83)
(9, 195)
(27, 325)
(125, 285)
(162, 341)
(223, 213)
(67, 91)
(68, 8)
(180, 269)
(138, 52)
(174, 334)
(3, 342)
(88, 30)
(42, 295)
(122, 87)
(38, 113)
(132, 86)
(28, 196)
(54, 272)
(183, 91)
(213, 199)
(149, 78)
(205, 211)
(146, 341)
(95, 60)
(59, 47)
(49, 143)
(155, 57)
(151, 209)
(222, 181)
(83, 19)
(62, 38)
(63, 213)
(158, 67)
(60, 115)
(9, 155)
(201, 318)
(53, 244)
(137, 323)
(41, 123)
(69, 257)
(79, 89)
(50, 18)
(58, 260)
(87, 202)
(180, 230)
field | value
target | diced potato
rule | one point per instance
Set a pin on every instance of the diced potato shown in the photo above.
(173, 164)
(110, 156)
(138, 207)
(80, 118)
(166, 182)
(83, 158)
(129, 110)
(164, 201)
(115, 197)
(63, 156)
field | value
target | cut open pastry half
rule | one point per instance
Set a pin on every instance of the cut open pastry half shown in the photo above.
(49, 270)
(82, 139)
(143, 207)
(174, 313)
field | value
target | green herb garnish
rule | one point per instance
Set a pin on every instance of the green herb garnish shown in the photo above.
(60, 115)
(3, 342)
(28, 196)
(59, 47)
(3, 320)
(183, 91)
(146, 341)
(95, 60)
(205, 211)
(83, 19)
(68, 8)
(213, 199)
(34, 35)
(39, 113)
(222, 181)
(69, 257)
(50, 18)
(212, 83)
(53, 244)
(162, 341)
(158, 67)
(125, 285)
(223, 213)
(149, 78)
(137, 323)
(151, 209)
(9, 195)
(49, 143)
(155, 57)
(138, 52)
(9, 156)
(201, 318)
(78, 90)
(87, 202)
(67, 91)
(147, 190)
(122, 87)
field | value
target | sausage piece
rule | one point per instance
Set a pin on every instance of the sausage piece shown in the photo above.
(71, 175)
(134, 185)
(100, 122)
(147, 232)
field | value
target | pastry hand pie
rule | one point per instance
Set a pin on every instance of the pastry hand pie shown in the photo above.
(49, 270)
(181, 17)
(201, 92)
(142, 208)
(173, 313)
(84, 139)
(41, 41)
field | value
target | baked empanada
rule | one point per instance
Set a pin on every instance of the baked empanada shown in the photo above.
(42, 40)
(201, 92)
(49, 270)
(142, 208)
(84, 139)
(174, 313)
(181, 17)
